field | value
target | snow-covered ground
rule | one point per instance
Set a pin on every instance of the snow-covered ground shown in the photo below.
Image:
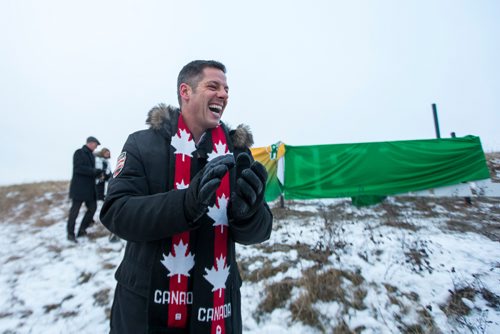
(390, 268)
(409, 263)
(51, 285)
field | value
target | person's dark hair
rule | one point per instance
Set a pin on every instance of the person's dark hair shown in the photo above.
(192, 72)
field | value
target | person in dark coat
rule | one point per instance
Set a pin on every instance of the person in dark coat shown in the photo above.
(83, 187)
(183, 193)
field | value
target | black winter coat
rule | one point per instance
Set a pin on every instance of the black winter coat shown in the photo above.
(141, 208)
(82, 187)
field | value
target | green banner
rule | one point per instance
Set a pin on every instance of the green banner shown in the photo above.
(382, 168)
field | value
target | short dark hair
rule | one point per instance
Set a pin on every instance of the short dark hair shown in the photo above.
(191, 73)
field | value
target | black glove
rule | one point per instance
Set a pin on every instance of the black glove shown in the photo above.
(97, 172)
(251, 180)
(201, 191)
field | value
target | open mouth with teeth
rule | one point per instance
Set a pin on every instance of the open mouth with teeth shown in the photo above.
(216, 109)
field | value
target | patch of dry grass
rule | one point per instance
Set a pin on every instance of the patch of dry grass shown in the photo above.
(341, 286)
(108, 266)
(69, 314)
(302, 310)
(55, 248)
(276, 296)
(11, 196)
(457, 309)
(343, 328)
(266, 270)
(102, 297)
(50, 307)
(5, 314)
(402, 224)
(84, 277)
(316, 254)
(455, 306)
(13, 258)
(417, 256)
(287, 212)
(32, 200)
(493, 162)
(425, 323)
(490, 228)
(324, 286)
(44, 222)
(456, 225)
(97, 231)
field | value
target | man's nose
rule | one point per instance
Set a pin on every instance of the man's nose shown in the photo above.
(223, 94)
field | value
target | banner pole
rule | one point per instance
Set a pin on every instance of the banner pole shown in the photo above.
(436, 122)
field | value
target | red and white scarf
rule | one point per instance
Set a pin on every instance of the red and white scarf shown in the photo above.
(179, 260)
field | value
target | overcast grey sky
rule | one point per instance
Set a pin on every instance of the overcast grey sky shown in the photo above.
(301, 72)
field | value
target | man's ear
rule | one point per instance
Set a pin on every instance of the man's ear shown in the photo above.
(185, 91)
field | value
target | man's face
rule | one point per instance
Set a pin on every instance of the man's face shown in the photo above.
(92, 146)
(208, 100)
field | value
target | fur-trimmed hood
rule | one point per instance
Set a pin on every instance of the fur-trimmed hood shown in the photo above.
(160, 118)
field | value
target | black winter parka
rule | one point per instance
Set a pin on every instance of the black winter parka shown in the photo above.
(141, 207)
(82, 186)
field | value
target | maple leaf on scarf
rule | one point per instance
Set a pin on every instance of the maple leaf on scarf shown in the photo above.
(183, 144)
(220, 149)
(180, 264)
(181, 185)
(219, 214)
(218, 276)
